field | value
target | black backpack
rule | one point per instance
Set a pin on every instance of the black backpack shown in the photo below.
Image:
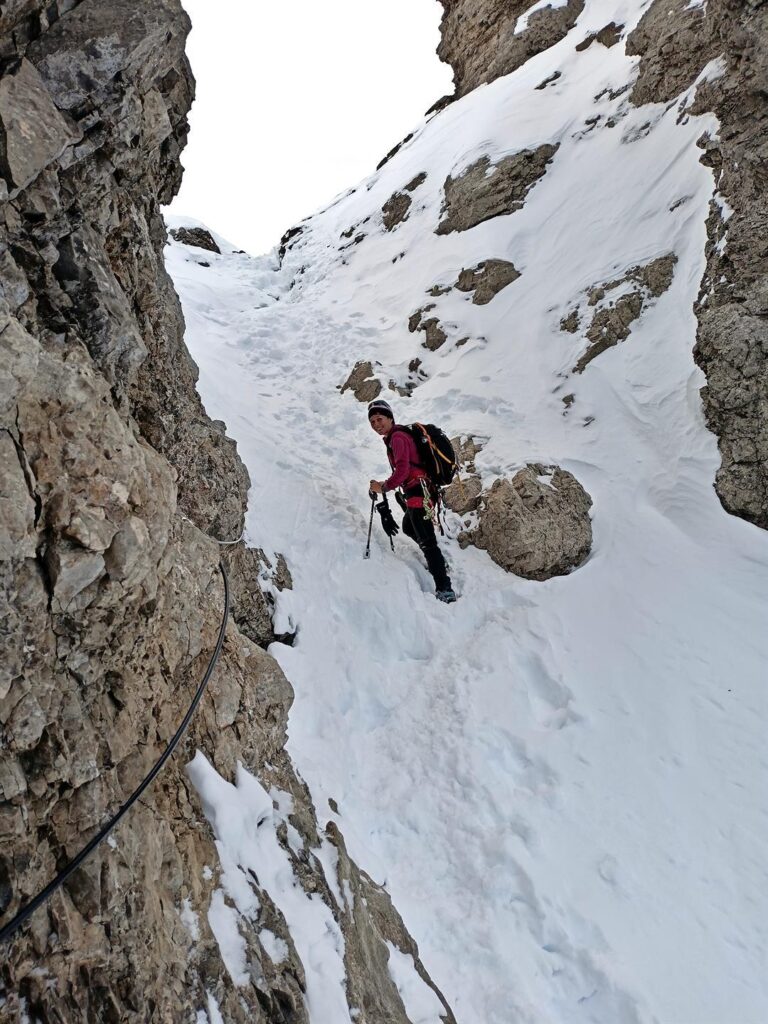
(436, 454)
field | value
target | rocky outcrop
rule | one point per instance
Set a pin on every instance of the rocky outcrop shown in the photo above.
(113, 482)
(487, 279)
(372, 923)
(395, 210)
(365, 386)
(252, 607)
(675, 41)
(362, 382)
(479, 41)
(397, 207)
(607, 36)
(485, 190)
(408, 380)
(618, 304)
(198, 237)
(535, 525)
(463, 494)
(483, 282)
(288, 240)
(434, 335)
(394, 151)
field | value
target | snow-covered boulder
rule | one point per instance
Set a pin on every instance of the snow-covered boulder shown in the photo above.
(535, 525)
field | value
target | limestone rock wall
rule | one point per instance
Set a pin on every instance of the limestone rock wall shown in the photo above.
(732, 336)
(112, 483)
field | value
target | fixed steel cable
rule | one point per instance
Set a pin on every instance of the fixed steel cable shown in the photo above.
(8, 930)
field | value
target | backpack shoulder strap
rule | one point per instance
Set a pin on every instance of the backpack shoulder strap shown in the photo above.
(409, 430)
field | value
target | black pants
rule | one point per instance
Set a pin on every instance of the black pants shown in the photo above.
(422, 531)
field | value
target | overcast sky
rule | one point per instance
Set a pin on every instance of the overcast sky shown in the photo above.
(298, 100)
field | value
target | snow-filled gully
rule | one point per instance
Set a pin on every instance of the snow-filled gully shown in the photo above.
(559, 783)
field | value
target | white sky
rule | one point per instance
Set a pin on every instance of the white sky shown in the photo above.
(298, 100)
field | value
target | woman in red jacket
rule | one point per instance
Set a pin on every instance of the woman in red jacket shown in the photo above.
(408, 475)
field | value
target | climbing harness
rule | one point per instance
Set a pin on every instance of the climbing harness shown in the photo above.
(28, 909)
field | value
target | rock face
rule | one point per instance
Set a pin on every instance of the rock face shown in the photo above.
(674, 42)
(535, 525)
(112, 482)
(487, 190)
(478, 36)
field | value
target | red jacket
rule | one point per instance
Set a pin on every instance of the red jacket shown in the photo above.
(406, 467)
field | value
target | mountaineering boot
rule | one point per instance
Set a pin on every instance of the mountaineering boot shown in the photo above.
(446, 596)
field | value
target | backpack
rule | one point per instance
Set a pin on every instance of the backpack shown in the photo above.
(436, 454)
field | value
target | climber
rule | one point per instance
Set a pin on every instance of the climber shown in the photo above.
(410, 477)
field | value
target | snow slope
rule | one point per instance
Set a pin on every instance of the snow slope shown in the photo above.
(562, 784)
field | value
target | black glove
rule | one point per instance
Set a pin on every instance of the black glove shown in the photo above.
(387, 519)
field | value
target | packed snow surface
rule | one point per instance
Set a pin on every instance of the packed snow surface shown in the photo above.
(561, 784)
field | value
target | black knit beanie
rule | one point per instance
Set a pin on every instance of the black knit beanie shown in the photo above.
(381, 407)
